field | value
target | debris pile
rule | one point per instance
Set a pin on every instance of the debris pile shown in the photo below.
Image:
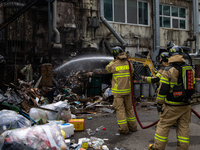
(46, 115)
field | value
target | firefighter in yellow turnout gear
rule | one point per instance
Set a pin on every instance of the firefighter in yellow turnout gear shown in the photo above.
(164, 56)
(174, 110)
(164, 63)
(121, 90)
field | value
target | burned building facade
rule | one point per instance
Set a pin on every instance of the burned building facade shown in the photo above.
(40, 31)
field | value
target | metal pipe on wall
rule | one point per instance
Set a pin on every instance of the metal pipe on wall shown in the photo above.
(101, 7)
(49, 25)
(55, 30)
(156, 21)
(154, 26)
(195, 5)
(113, 31)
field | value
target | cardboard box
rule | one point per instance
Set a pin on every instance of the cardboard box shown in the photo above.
(79, 124)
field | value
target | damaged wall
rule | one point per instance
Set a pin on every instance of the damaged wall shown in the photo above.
(75, 35)
(177, 35)
(28, 35)
(131, 33)
(141, 37)
(138, 37)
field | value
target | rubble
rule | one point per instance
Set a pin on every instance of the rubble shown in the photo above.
(70, 97)
(74, 95)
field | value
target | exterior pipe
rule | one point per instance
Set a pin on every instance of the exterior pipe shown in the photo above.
(57, 37)
(101, 7)
(108, 47)
(49, 25)
(156, 21)
(195, 26)
(113, 31)
(154, 39)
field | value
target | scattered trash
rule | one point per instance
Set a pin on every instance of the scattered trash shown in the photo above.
(67, 141)
(96, 143)
(36, 137)
(56, 121)
(89, 118)
(85, 144)
(74, 146)
(107, 110)
(79, 124)
(104, 147)
(11, 120)
(100, 128)
(54, 111)
(107, 93)
(90, 132)
(68, 128)
(57, 109)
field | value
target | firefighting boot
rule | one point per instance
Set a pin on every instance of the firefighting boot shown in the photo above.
(150, 146)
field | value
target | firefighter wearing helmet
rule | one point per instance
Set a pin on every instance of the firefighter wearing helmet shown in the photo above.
(175, 108)
(121, 90)
(164, 56)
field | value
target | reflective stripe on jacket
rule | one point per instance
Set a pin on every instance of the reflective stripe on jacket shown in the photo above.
(121, 83)
(156, 79)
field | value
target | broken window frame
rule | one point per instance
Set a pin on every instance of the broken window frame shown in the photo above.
(180, 19)
(145, 13)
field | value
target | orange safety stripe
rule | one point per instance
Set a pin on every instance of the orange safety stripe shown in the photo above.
(177, 93)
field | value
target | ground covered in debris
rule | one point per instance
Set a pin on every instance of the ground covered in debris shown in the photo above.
(65, 109)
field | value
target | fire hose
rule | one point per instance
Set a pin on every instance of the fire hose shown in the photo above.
(132, 95)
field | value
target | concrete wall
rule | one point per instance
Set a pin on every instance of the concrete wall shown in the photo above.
(178, 36)
(129, 32)
(145, 33)
(74, 34)
(76, 14)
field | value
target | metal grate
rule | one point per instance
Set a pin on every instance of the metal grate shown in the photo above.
(139, 70)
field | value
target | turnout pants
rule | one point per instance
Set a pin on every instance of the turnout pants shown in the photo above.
(172, 114)
(125, 114)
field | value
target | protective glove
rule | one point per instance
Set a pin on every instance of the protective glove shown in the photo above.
(159, 108)
(142, 77)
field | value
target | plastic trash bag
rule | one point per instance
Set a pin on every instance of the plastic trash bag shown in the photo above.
(12, 97)
(62, 107)
(107, 93)
(11, 120)
(38, 137)
(2, 98)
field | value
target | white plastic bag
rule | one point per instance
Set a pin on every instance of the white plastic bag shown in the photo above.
(40, 137)
(11, 120)
(62, 108)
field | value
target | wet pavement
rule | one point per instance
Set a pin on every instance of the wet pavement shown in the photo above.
(140, 139)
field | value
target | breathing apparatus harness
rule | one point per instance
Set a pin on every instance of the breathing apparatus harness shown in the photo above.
(183, 91)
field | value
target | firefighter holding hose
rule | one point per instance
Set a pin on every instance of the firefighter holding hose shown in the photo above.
(164, 56)
(121, 90)
(175, 91)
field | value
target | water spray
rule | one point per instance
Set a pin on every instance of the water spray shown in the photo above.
(84, 59)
